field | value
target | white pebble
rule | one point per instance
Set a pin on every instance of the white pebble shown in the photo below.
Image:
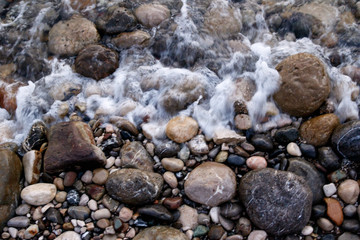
(118, 162)
(109, 162)
(293, 149)
(74, 222)
(214, 214)
(92, 204)
(307, 230)
(80, 223)
(13, 232)
(102, 213)
(84, 199)
(329, 189)
(46, 207)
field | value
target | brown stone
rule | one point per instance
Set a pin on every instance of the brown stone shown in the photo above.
(134, 155)
(72, 147)
(181, 129)
(95, 191)
(334, 210)
(96, 61)
(128, 39)
(173, 203)
(70, 178)
(151, 15)
(317, 131)
(160, 233)
(10, 174)
(305, 84)
(8, 91)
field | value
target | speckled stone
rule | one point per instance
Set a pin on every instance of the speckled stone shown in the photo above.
(181, 129)
(160, 233)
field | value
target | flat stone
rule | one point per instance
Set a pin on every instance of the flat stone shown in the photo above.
(286, 135)
(128, 39)
(152, 14)
(167, 149)
(100, 176)
(110, 203)
(198, 146)
(256, 162)
(280, 205)
(334, 210)
(79, 212)
(345, 140)
(72, 147)
(133, 186)
(64, 39)
(230, 210)
(328, 158)
(10, 175)
(125, 214)
(32, 161)
(19, 222)
(224, 135)
(317, 131)
(211, 184)
(160, 233)
(156, 211)
(173, 203)
(134, 155)
(310, 174)
(23, 209)
(172, 164)
(53, 215)
(38, 194)
(305, 84)
(170, 179)
(181, 129)
(188, 218)
(349, 191)
(308, 150)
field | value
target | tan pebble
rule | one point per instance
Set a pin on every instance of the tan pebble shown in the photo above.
(100, 175)
(181, 129)
(293, 149)
(325, 224)
(103, 223)
(102, 213)
(334, 210)
(59, 183)
(37, 214)
(243, 122)
(61, 196)
(348, 191)
(170, 179)
(172, 164)
(256, 162)
(125, 214)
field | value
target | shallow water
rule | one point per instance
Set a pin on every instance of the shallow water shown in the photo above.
(195, 74)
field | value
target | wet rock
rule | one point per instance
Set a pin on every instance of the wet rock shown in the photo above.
(216, 232)
(305, 84)
(69, 179)
(72, 146)
(230, 210)
(102, 213)
(38, 194)
(151, 15)
(262, 142)
(156, 211)
(36, 137)
(69, 235)
(211, 184)
(53, 215)
(280, 205)
(334, 210)
(64, 37)
(188, 218)
(198, 146)
(243, 122)
(8, 93)
(172, 203)
(325, 224)
(308, 150)
(100, 176)
(317, 131)
(349, 211)
(167, 149)
(110, 203)
(96, 61)
(134, 155)
(160, 233)
(79, 212)
(311, 175)
(351, 225)
(293, 149)
(10, 174)
(181, 129)
(116, 20)
(345, 140)
(349, 191)
(224, 135)
(286, 135)
(328, 159)
(133, 186)
(235, 160)
(352, 71)
(223, 20)
(32, 165)
(128, 39)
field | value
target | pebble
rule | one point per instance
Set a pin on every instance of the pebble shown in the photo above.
(234, 237)
(5, 235)
(181, 129)
(293, 149)
(156, 211)
(349, 210)
(59, 183)
(31, 231)
(61, 196)
(243, 122)
(262, 143)
(39, 194)
(256, 162)
(307, 230)
(226, 223)
(110, 162)
(87, 177)
(103, 223)
(204, 219)
(69, 235)
(173, 203)
(337, 176)
(19, 222)
(230, 210)
(224, 135)
(243, 226)
(79, 212)
(200, 230)
(329, 189)
(37, 214)
(348, 236)
(53, 215)
(13, 232)
(102, 213)
(216, 232)
(235, 160)
(172, 164)
(131, 233)
(286, 135)
(70, 178)
(73, 197)
(84, 199)
(349, 191)
(334, 210)
(308, 150)
(125, 214)
(170, 179)
(32, 161)
(351, 225)
(110, 203)
(198, 146)
(100, 175)
(23, 209)
(328, 158)
(257, 235)
(221, 156)
(214, 214)
(188, 218)
(96, 192)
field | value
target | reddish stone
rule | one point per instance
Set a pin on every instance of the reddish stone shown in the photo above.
(334, 211)
(96, 192)
(173, 203)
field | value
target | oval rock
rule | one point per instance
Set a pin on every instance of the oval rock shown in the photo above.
(38, 194)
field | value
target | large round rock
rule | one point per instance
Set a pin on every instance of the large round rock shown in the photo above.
(305, 84)
(97, 62)
(276, 201)
(345, 140)
(67, 38)
(211, 184)
(133, 186)
(160, 233)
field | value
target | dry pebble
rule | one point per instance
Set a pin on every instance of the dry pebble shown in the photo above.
(348, 191)
(69, 179)
(257, 235)
(307, 230)
(256, 162)
(87, 177)
(188, 218)
(100, 175)
(125, 214)
(172, 164)
(170, 179)
(102, 213)
(329, 189)
(293, 149)
(325, 224)
(221, 156)
(59, 183)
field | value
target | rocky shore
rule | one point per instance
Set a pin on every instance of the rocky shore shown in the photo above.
(134, 140)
